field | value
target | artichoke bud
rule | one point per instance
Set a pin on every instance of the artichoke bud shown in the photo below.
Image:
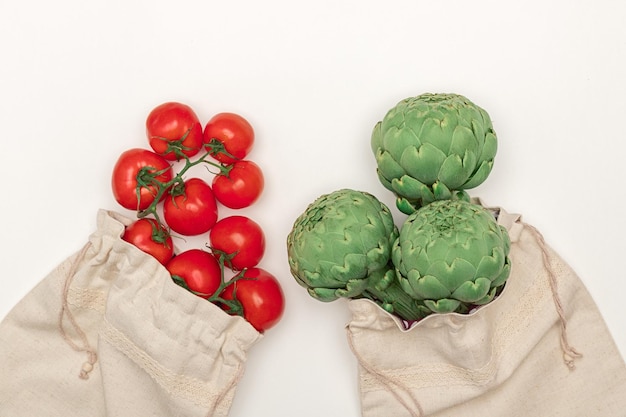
(339, 242)
(431, 147)
(452, 255)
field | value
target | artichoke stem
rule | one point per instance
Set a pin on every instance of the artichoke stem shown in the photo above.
(391, 293)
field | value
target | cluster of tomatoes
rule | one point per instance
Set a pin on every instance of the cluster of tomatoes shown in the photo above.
(153, 182)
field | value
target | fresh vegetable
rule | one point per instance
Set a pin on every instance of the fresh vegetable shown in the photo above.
(433, 147)
(228, 137)
(155, 185)
(240, 186)
(239, 237)
(191, 208)
(261, 298)
(452, 255)
(173, 130)
(341, 247)
(137, 176)
(196, 270)
(151, 237)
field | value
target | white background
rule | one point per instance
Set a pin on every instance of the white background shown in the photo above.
(78, 78)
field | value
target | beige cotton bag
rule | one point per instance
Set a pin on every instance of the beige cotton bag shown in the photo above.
(107, 333)
(540, 349)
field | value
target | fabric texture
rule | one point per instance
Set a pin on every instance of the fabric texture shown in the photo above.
(541, 348)
(108, 333)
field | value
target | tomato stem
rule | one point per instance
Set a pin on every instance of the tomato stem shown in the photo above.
(233, 306)
(147, 178)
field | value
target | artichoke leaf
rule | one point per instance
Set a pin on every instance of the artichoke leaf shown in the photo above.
(382, 281)
(411, 188)
(426, 287)
(442, 306)
(431, 131)
(309, 276)
(470, 292)
(353, 266)
(405, 206)
(396, 141)
(384, 181)
(453, 172)
(323, 294)
(387, 307)
(462, 195)
(479, 176)
(506, 238)
(490, 147)
(441, 192)
(470, 161)
(376, 141)
(440, 248)
(478, 129)
(504, 275)
(353, 288)
(487, 298)
(452, 276)
(388, 166)
(423, 162)
(490, 266)
(464, 140)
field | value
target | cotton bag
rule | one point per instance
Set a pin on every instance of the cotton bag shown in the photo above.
(108, 333)
(540, 349)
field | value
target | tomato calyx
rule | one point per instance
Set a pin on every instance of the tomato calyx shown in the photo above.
(216, 147)
(177, 189)
(160, 234)
(147, 177)
(233, 306)
(176, 146)
(225, 258)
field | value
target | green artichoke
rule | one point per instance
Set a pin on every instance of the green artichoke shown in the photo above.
(452, 255)
(433, 147)
(340, 247)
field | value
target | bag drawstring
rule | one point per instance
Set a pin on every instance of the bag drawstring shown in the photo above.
(66, 312)
(570, 354)
(387, 381)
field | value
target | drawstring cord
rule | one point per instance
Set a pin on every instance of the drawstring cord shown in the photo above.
(570, 354)
(387, 382)
(85, 346)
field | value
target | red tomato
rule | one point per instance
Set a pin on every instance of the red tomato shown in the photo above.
(261, 297)
(234, 132)
(199, 270)
(174, 122)
(241, 187)
(194, 211)
(240, 237)
(151, 237)
(138, 164)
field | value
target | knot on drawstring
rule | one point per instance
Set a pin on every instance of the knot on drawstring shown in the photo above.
(569, 353)
(88, 366)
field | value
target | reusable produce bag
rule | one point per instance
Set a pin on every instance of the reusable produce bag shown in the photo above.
(540, 349)
(107, 333)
